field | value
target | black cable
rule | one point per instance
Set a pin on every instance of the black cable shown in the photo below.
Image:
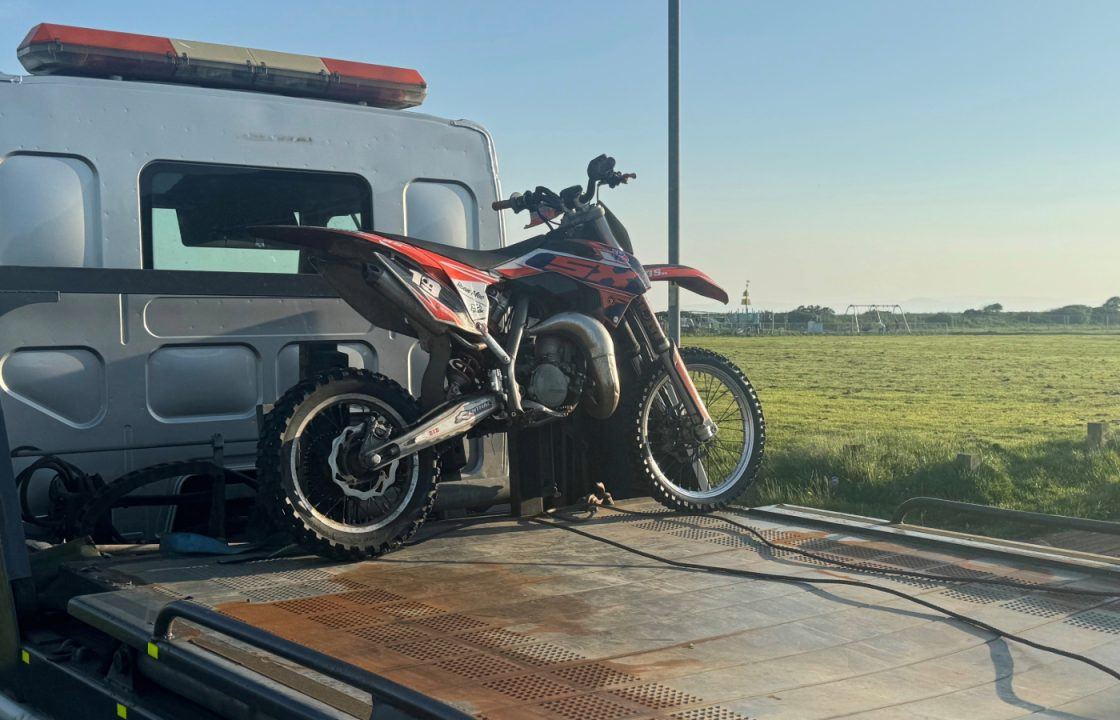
(884, 570)
(567, 513)
(773, 577)
(564, 513)
(70, 477)
(459, 525)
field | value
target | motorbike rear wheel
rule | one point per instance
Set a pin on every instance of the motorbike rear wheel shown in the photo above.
(312, 486)
(684, 474)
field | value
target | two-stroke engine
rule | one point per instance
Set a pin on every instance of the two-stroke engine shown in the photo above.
(553, 375)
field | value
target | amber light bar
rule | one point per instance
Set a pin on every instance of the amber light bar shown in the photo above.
(52, 49)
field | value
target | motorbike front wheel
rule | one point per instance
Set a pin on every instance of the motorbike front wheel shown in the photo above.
(309, 477)
(684, 474)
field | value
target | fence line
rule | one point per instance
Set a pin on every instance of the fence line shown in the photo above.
(768, 323)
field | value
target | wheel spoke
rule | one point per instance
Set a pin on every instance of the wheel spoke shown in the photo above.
(729, 413)
(327, 512)
(723, 392)
(706, 469)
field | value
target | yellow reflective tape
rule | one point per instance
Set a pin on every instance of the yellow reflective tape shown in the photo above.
(122, 711)
(153, 651)
(25, 657)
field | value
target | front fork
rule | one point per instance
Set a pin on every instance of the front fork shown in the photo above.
(665, 351)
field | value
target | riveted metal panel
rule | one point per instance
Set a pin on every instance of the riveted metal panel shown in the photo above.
(223, 378)
(65, 383)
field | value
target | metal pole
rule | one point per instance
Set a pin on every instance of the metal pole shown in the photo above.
(674, 163)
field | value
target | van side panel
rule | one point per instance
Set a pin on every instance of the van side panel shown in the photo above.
(98, 352)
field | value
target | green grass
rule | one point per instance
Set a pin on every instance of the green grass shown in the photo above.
(862, 423)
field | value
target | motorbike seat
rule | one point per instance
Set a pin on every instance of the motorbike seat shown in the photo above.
(479, 259)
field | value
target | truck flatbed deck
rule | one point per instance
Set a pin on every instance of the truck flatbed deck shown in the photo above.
(515, 619)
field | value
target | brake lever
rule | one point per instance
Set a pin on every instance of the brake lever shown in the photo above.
(621, 179)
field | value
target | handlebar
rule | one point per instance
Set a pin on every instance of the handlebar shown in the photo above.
(600, 171)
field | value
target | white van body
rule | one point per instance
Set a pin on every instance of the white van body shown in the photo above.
(101, 346)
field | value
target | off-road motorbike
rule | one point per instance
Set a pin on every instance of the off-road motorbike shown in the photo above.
(516, 337)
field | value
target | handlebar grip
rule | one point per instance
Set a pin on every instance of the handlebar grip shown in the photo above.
(516, 202)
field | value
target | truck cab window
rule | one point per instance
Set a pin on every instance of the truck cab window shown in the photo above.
(196, 216)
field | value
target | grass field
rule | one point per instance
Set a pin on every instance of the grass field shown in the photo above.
(863, 423)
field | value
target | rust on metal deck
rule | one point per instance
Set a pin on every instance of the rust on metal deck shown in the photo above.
(516, 620)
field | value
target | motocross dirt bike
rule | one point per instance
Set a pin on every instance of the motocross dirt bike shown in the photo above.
(517, 337)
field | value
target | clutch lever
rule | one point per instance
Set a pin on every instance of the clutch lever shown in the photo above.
(618, 178)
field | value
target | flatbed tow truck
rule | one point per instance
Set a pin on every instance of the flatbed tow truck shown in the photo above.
(500, 617)
(126, 347)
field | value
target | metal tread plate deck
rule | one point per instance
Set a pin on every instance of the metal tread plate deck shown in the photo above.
(517, 620)
(1042, 553)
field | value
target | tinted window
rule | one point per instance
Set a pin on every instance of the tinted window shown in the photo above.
(195, 216)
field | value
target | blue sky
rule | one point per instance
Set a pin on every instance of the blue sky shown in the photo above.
(938, 154)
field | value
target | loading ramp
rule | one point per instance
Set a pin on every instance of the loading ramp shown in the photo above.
(515, 619)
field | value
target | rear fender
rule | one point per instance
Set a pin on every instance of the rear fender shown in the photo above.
(433, 290)
(688, 278)
(353, 245)
(319, 242)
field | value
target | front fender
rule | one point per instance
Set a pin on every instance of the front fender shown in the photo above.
(688, 278)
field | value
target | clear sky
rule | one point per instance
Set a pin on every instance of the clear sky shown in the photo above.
(937, 154)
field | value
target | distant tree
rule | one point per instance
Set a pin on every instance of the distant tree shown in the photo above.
(1113, 303)
(1071, 314)
(993, 308)
(805, 313)
(940, 318)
